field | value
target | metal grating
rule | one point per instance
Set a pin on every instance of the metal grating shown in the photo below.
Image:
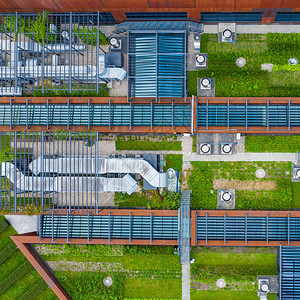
(95, 115)
(157, 64)
(248, 228)
(289, 273)
(109, 227)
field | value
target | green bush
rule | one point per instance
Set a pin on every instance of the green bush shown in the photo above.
(3, 225)
(16, 275)
(171, 200)
(7, 252)
(35, 290)
(90, 36)
(131, 249)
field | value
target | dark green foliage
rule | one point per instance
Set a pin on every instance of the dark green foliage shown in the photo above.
(171, 200)
(35, 290)
(90, 36)
(148, 249)
(89, 285)
(133, 200)
(7, 252)
(275, 143)
(3, 225)
(296, 194)
(16, 275)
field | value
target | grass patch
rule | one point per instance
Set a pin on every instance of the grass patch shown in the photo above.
(133, 200)
(249, 81)
(239, 269)
(203, 174)
(174, 161)
(272, 143)
(148, 145)
(296, 194)
(228, 295)
(153, 288)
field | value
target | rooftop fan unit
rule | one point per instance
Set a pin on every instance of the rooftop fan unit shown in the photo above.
(200, 60)
(297, 173)
(226, 149)
(205, 84)
(205, 148)
(115, 43)
(227, 35)
(226, 196)
(263, 288)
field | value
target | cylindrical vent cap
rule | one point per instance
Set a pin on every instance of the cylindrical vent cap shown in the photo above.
(226, 196)
(200, 58)
(205, 148)
(114, 42)
(205, 82)
(226, 148)
(264, 288)
(298, 173)
(227, 33)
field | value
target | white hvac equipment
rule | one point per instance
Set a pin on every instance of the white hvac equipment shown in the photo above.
(196, 41)
(227, 35)
(205, 148)
(205, 84)
(226, 196)
(115, 43)
(263, 288)
(226, 148)
(201, 60)
(297, 173)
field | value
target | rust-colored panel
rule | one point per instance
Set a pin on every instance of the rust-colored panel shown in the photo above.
(125, 4)
(258, 3)
(34, 4)
(8, 5)
(172, 3)
(214, 4)
(291, 4)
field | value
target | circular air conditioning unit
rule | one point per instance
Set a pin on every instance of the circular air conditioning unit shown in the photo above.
(114, 42)
(226, 148)
(293, 61)
(298, 173)
(205, 149)
(200, 58)
(264, 287)
(226, 196)
(205, 82)
(65, 34)
(227, 34)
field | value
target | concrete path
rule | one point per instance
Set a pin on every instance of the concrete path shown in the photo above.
(186, 274)
(247, 156)
(22, 223)
(256, 28)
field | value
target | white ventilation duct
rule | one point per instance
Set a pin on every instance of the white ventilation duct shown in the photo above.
(104, 165)
(63, 184)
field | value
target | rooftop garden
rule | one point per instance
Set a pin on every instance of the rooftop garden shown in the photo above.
(273, 192)
(250, 80)
(239, 267)
(141, 272)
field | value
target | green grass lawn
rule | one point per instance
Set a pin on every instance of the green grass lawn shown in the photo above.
(296, 194)
(148, 145)
(250, 81)
(275, 143)
(133, 200)
(25, 282)
(174, 161)
(204, 173)
(228, 295)
(238, 266)
(143, 272)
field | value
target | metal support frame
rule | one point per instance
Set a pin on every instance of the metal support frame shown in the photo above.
(15, 172)
(228, 123)
(206, 114)
(129, 227)
(97, 170)
(224, 229)
(70, 52)
(97, 52)
(68, 217)
(206, 225)
(27, 113)
(43, 151)
(109, 225)
(88, 237)
(89, 114)
(172, 114)
(267, 236)
(289, 115)
(156, 54)
(151, 228)
(151, 114)
(246, 113)
(246, 227)
(288, 229)
(70, 167)
(280, 270)
(268, 112)
(130, 115)
(47, 114)
(184, 63)
(128, 58)
(10, 103)
(109, 124)
(68, 114)
(52, 226)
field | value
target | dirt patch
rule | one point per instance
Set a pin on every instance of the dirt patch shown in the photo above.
(185, 174)
(221, 184)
